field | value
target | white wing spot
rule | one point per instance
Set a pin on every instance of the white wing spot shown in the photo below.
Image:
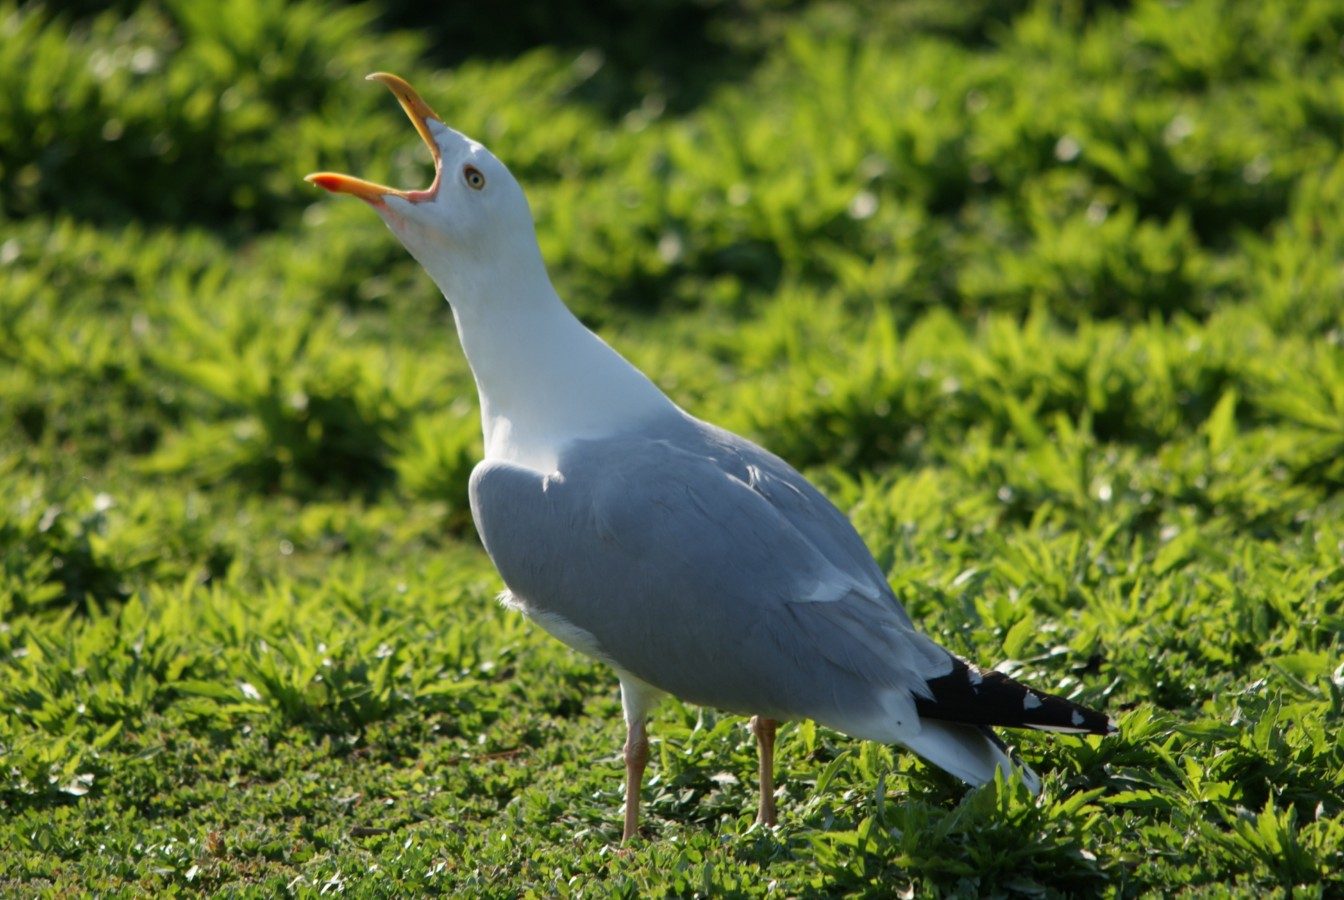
(1077, 718)
(1030, 701)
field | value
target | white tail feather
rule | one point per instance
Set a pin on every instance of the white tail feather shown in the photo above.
(967, 753)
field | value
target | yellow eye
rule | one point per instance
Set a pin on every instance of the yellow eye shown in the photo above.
(475, 180)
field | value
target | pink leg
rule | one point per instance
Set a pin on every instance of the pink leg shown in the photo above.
(636, 757)
(637, 699)
(764, 729)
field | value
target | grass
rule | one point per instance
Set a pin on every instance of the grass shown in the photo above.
(1046, 295)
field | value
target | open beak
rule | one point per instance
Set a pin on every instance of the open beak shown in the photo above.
(421, 115)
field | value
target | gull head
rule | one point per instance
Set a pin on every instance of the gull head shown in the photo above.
(470, 224)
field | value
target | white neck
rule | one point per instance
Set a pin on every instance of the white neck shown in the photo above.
(546, 380)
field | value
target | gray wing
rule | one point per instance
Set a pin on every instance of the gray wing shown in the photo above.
(806, 508)
(709, 569)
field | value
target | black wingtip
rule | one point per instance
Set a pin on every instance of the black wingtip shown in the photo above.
(976, 696)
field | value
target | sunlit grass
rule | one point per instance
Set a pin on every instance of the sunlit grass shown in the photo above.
(1049, 301)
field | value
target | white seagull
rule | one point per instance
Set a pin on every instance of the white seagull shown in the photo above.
(687, 558)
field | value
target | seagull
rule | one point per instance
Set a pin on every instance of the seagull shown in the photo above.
(690, 560)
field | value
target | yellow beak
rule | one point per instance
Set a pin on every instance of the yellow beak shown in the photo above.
(421, 115)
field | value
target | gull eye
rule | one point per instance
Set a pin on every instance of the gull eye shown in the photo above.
(473, 177)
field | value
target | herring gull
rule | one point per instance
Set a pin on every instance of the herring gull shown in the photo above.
(689, 559)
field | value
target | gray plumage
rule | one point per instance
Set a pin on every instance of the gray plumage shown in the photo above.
(703, 565)
(712, 570)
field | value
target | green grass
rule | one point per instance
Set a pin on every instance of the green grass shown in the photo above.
(1048, 296)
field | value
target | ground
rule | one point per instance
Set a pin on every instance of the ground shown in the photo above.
(1047, 296)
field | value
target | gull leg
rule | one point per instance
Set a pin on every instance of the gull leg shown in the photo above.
(637, 698)
(636, 757)
(764, 729)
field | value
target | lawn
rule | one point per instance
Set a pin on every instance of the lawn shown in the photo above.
(1048, 296)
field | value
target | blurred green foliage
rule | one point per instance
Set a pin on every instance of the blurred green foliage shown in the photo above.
(1047, 295)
